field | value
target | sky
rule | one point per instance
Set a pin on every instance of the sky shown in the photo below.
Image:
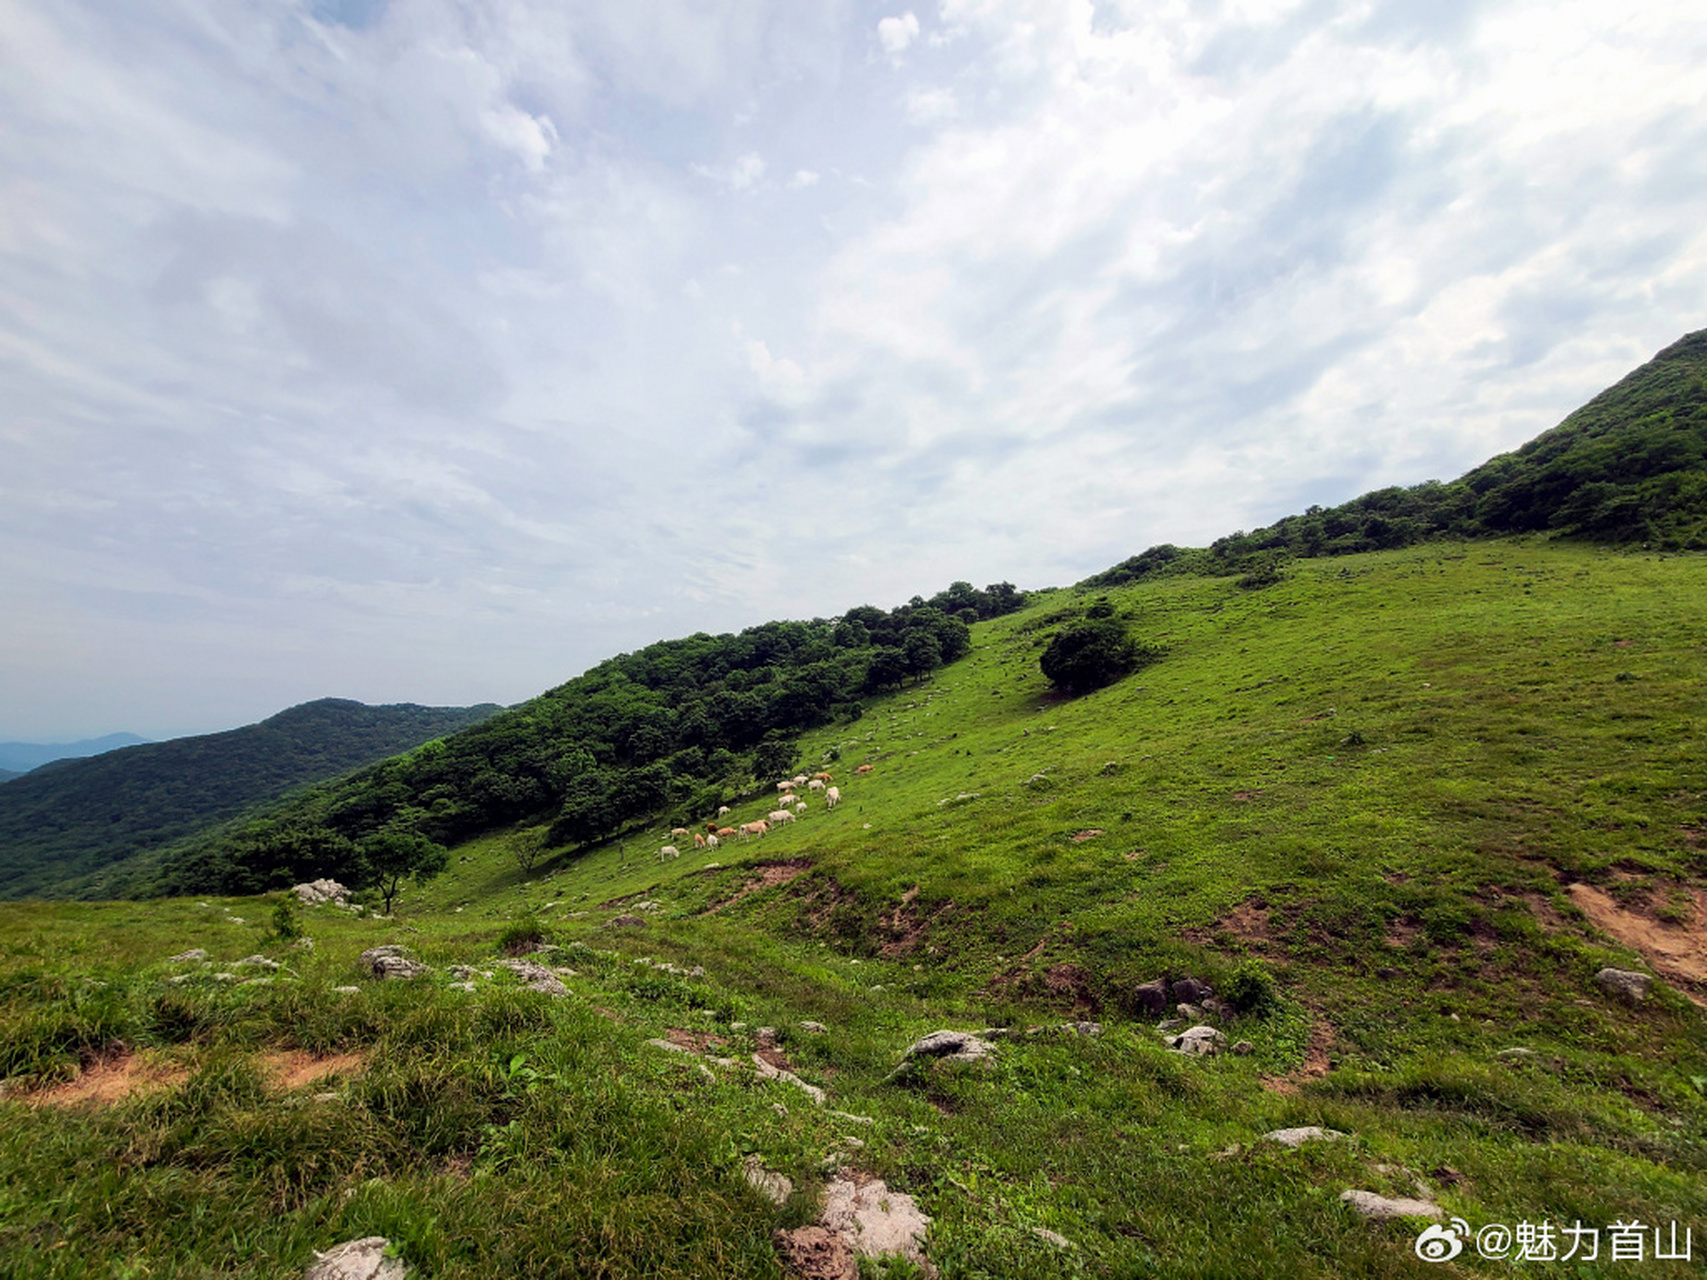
(435, 350)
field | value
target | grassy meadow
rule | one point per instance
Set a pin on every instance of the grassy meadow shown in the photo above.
(1406, 803)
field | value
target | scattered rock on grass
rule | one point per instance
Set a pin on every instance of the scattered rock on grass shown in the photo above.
(772, 1185)
(1051, 1237)
(357, 1260)
(816, 1254)
(876, 1221)
(314, 892)
(1296, 1138)
(769, 1072)
(1200, 1041)
(187, 957)
(390, 962)
(1627, 985)
(626, 921)
(260, 962)
(536, 977)
(1381, 1208)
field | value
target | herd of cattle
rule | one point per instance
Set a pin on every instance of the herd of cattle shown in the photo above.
(789, 805)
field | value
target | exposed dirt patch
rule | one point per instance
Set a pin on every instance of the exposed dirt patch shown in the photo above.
(812, 1253)
(1676, 951)
(776, 1057)
(770, 874)
(1694, 837)
(1089, 833)
(293, 1068)
(1248, 923)
(1247, 795)
(111, 1079)
(1317, 1059)
(1545, 913)
(460, 1167)
(908, 925)
(1071, 982)
(697, 1041)
(1401, 932)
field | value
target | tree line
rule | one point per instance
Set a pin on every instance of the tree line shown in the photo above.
(674, 729)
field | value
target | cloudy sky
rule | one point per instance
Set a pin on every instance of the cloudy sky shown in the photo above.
(433, 350)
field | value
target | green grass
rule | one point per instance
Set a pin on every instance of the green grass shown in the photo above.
(1377, 777)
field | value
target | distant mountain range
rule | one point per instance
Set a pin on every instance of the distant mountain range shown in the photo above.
(21, 757)
(64, 822)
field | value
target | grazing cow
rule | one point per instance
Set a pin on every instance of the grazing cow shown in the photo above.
(667, 852)
(864, 768)
(722, 810)
(833, 797)
(800, 779)
(712, 841)
(787, 784)
(724, 833)
(815, 785)
(683, 832)
(779, 817)
(801, 807)
(756, 829)
(823, 777)
(698, 841)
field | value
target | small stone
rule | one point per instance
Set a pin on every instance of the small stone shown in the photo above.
(187, 957)
(260, 962)
(816, 1028)
(1517, 1054)
(1244, 1047)
(1380, 1208)
(627, 922)
(345, 991)
(1051, 1237)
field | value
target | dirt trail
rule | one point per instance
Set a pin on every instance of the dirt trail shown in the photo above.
(1676, 951)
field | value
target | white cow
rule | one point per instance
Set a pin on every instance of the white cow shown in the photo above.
(712, 841)
(815, 785)
(801, 807)
(779, 817)
(722, 810)
(667, 852)
(833, 797)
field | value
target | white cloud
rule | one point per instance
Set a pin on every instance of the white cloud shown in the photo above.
(326, 341)
(895, 34)
(740, 175)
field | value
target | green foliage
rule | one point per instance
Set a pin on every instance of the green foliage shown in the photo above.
(287, 921)
(72, 819)
(1250, 988)
(397, 854)
(522, 936)
(1087, 655)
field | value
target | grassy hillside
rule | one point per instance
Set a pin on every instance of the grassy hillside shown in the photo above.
(1403, 806)
(1629, 467)
(78, 816)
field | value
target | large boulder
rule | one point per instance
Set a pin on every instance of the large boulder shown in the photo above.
(312, 893)
(1152, 997)
(1191, 991)
(536, 977)
(1626, 984)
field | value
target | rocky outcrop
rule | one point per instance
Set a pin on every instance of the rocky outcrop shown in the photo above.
(313, 893)
(391, 962)
(1381, 1208)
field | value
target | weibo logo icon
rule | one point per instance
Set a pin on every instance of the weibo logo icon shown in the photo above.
(1442, 1244)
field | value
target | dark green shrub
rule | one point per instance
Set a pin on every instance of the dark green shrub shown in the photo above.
(1088, 655)
(1251, 988)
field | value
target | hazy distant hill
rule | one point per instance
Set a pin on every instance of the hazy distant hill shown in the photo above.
(8, 774)
(21, 757)
(80, 815)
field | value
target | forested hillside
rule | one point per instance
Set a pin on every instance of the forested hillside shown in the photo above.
(1630, 466)
(21, 757)
(674, 728)
(72, 818)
